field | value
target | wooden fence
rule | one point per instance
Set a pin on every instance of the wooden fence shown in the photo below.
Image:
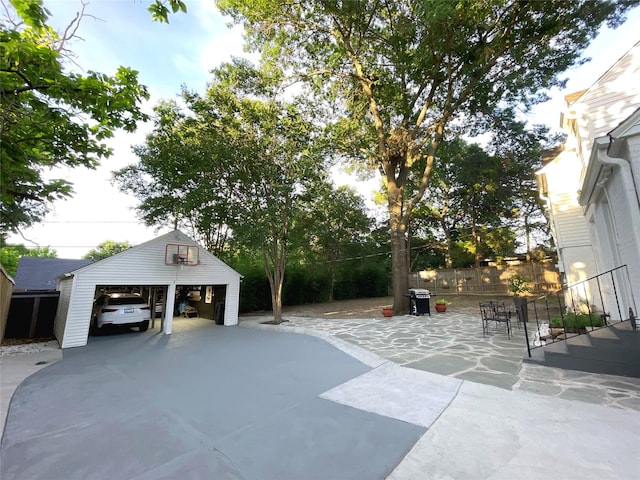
(6, 289)
(544, 278)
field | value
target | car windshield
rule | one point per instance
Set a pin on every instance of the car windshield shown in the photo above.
(133, 300)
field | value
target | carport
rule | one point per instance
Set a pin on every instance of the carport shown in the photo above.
(159, 269)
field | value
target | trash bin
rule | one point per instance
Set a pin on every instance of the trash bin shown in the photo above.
(219, 314)
(419, 301)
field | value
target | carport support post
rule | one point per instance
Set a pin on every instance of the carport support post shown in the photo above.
(168, 314)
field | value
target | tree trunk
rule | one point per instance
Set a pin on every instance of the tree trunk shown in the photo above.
(333, 259)
(476, 239)
(276, 301)
(274, 264)
(399, 265)
(448, 261)
(399, 275)
(527, 233)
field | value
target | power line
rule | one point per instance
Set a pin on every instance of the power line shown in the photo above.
(97, 222)
(404, 250)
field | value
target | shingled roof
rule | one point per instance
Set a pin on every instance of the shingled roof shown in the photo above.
(37, 273)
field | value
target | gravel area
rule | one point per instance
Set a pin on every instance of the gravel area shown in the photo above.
(24, 348)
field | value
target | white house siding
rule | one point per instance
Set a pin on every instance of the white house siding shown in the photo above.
(611, 99)
(604, 238)
(610, 252)
(571, 227)
(232, 301)
(573, 239)
(633, 144)
(65, 286)
(624, 210)
(581, 233)
(610, 198)
(144, 265)
(76, 328)
(577, 263)
(563, 179)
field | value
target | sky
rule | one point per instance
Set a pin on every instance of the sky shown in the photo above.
(168, 56)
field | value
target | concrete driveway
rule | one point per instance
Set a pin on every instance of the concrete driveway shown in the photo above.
(206, 402)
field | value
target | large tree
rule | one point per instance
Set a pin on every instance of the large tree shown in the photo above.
(404, 72)
(239, 151)
(106, 249)
(50, 116)
(332, 225)
(10, 255)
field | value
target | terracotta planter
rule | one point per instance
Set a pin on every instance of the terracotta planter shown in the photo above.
(387, 312)
(441, 307)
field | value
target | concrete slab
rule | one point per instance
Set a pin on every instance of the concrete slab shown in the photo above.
(443, 364)
(298, 443)
(396, 392)
(488, 432)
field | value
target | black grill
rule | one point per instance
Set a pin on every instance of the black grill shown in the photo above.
(419, 299)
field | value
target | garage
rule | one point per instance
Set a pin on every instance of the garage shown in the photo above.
(172, 273)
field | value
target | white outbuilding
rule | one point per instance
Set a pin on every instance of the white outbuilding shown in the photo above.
(160, 269)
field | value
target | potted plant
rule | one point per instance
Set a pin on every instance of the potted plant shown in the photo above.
(519, 287)
(387, 311)
(441, 305)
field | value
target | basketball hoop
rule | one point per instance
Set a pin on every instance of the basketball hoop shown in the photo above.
(181, 255)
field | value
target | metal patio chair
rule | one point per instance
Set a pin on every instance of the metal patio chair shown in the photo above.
(495, 312)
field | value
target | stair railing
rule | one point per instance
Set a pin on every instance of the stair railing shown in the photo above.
(577, 309)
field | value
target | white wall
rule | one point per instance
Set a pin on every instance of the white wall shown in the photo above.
(570, 227)
(65, 286)
(588, 245)
(610, 100)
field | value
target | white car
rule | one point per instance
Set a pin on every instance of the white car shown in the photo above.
(121, 309)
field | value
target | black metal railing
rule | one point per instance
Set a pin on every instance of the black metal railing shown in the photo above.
(577, 309)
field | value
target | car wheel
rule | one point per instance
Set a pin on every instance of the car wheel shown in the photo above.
(144, 325)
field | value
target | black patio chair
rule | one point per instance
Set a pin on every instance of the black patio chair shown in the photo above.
(495, 312)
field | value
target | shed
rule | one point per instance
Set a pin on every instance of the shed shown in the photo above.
(34, 301)
(168, 262)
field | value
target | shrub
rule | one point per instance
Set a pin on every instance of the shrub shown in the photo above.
(518, 285)
(580, 320)
(255, 294)
(305, 285)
